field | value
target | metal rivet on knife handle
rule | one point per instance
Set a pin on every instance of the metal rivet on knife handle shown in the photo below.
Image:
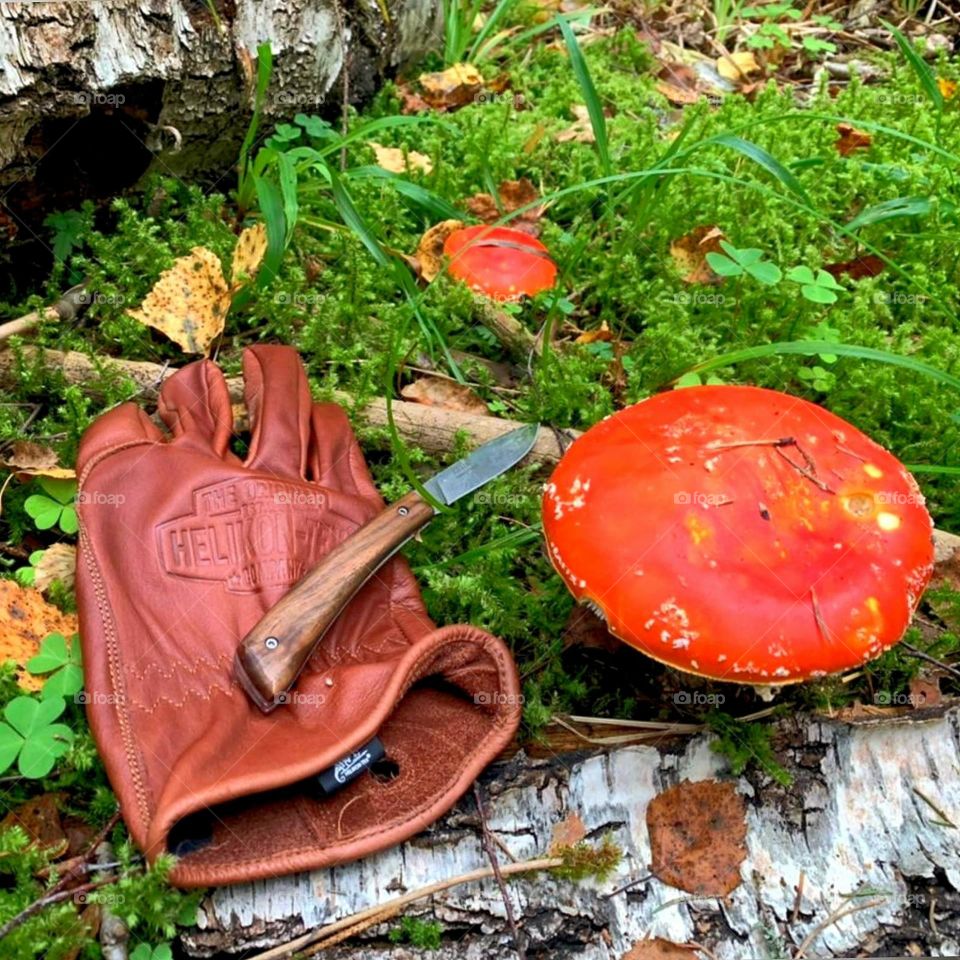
(270, 657)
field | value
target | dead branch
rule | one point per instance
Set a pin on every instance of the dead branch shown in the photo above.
(434, 429)
(66, 309)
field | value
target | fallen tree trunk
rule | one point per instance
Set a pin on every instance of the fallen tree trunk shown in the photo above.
(432, 428)
(93, 95)
(863, 824)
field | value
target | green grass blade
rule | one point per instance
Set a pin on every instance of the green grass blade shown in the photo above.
(591, 98)
(264, 69)
(502, 8)
(890, 210)
(814, 347)
(933, 468)
(924, 74)
(271, 206)
(759, 156)
(424, 201)
(358, 225)
(287, 174)
(363, 131)
(353, 219)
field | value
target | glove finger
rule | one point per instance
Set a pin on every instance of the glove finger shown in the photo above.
(195, 405)
(123, 425)
(279, 402)
(336, 459)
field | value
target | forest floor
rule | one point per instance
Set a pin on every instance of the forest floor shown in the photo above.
(632, 144)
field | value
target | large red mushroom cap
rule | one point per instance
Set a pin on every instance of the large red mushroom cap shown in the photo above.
(502, 263)
(741, 534)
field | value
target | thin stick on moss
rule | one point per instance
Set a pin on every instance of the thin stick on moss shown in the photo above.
(498, 875)
(393, 907)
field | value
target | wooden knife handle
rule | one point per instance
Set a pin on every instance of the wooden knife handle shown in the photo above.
(270, 657)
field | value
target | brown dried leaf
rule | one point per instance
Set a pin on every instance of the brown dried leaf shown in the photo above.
(39, 818)
(248, 253)
(518, 193)
(396, 160)
(678, 95)
(451, 88)
(698, 837)
(189, 302)
(410, 100)
(437, 392)
(483, 207)
(581, 131)
(35, 460)
(869, 265)
(850, 139)
(690, 251)
(59, 562)
(514, 194)
(659, 949)
(25, 619)
(428, 260)
(925, 689)
(680, 83)
(567, 833)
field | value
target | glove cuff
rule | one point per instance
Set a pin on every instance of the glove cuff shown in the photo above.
(448, 707)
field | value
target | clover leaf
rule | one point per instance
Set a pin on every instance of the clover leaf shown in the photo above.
(144, 951)
(817, 288)
(56, 506)
(26, 576)
(62, 660)
(30, 736)
(750, 261)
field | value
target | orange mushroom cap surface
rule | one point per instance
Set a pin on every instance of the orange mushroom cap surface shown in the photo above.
(741, 534)
(502, 263)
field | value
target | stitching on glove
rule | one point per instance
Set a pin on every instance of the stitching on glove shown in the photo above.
(134, 756)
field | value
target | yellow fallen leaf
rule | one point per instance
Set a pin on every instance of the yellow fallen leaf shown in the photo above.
(581, 131)
(737, 66)
(690, 251)
(454, 87)
(602, 334)
(35, 460)
(25, 619)
(248, 253)
(947, 88)
(396, 161)
(189, 302)
(429, 255)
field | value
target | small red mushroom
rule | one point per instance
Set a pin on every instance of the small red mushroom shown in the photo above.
(740, 534)
(502, 263)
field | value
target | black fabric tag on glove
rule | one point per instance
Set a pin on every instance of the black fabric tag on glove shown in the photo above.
(350, 767)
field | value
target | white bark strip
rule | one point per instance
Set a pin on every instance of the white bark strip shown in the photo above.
(854, 824)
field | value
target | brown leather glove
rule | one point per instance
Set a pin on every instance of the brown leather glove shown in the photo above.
(183, 547)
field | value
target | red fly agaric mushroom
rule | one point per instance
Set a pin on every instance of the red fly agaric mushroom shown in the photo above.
(502, 263)
(741, 534)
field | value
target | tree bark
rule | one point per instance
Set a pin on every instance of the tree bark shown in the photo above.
(94, 94)
(859, 825)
